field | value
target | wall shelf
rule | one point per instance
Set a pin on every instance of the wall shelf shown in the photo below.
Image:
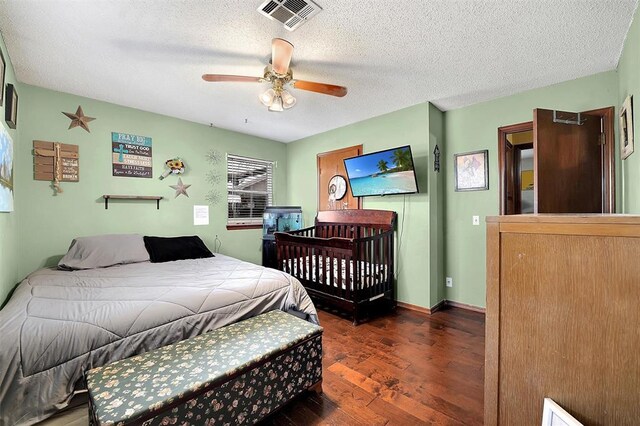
(131, 197)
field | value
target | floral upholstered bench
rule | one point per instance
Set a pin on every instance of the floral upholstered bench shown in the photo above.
(238, 374)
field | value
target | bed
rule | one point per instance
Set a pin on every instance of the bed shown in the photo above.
(58, 324)
(346, 260)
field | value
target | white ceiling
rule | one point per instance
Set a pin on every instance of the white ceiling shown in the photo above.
(390, 54)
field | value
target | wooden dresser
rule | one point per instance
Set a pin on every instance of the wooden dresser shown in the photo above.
(563, 318)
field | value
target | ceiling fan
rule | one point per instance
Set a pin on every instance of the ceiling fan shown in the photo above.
(279, 75)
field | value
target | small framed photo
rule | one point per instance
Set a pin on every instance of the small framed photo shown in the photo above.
(472, 170)
(626, 128)
(555, 415)
(3, 68)
(11, 110)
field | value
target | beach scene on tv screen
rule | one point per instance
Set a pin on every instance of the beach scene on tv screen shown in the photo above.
(382, 173)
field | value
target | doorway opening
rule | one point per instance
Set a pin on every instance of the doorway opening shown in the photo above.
(515, 162)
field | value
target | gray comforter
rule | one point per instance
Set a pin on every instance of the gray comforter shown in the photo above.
(59, 324)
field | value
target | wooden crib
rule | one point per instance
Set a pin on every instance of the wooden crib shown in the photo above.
(346, 260)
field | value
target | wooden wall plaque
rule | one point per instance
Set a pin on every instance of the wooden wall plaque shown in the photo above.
(55, 161)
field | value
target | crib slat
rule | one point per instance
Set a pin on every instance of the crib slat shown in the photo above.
(332, 281)
(361, 263)
(296, 254)
(347, 275)
(326, 264)
(376, 265)
(385, 246)
(390, 267)
(338, 260)
(303, 262)
(317, 265)
(365, 267)
(370, 283)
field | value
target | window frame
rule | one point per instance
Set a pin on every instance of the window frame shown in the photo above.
(251, 222)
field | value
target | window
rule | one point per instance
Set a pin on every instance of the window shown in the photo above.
(249, 189)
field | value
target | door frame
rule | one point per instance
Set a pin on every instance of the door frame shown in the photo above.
(502, 161)
(608, 158)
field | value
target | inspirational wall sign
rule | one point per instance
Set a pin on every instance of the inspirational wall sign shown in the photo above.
(131, 155)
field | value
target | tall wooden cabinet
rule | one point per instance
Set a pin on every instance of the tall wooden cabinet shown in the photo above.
(563, 318)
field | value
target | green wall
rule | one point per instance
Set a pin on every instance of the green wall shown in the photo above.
(49, 222)
(629, 84)
(408, 126)
(475, 128)
(9, 221)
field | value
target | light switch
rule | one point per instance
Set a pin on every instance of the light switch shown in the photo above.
(476, 220)
(449, 282)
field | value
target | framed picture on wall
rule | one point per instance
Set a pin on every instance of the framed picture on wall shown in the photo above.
(555, 415)
(3, 67)
(626, 128)
(11, 110)
(472, 170)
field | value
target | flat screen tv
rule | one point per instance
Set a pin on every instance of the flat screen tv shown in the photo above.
(382, 173)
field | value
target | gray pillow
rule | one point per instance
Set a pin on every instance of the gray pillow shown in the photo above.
(101, 251)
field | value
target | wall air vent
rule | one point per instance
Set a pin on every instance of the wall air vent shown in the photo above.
(292, 13)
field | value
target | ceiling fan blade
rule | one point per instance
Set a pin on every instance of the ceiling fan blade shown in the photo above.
(232, 78)
(327, 89)
(281, 53)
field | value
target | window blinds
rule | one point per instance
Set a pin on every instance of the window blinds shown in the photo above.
(249, 189)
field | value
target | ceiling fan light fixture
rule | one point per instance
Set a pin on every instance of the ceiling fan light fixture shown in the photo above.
(288, 101)
(267, 97)
(276, 105)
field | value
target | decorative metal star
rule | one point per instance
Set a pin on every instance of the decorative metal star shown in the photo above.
(181, 188)
(79, 119)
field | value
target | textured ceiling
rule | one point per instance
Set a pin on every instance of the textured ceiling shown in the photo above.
(150, 54)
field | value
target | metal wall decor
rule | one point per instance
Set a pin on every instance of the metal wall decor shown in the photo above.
(181, 188)
(213, 197)
(213, 157)
(212, 177)
(436, 159)
(79, 119)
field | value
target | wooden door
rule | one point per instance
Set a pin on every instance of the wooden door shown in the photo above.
(568, 162)
(331, 164)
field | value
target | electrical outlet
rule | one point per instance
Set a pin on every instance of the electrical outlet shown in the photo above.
(449, 282)
(476, 220)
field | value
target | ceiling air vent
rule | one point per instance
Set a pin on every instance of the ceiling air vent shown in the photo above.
(292, 13)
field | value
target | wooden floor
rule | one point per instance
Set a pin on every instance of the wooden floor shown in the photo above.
(404, 369)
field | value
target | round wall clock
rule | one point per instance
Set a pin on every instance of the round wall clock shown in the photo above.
(337, 187)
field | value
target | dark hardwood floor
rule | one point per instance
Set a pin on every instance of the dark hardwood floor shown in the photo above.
(404, 369)
(407, 368)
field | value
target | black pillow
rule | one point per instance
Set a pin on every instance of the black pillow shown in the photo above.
(167, 249)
